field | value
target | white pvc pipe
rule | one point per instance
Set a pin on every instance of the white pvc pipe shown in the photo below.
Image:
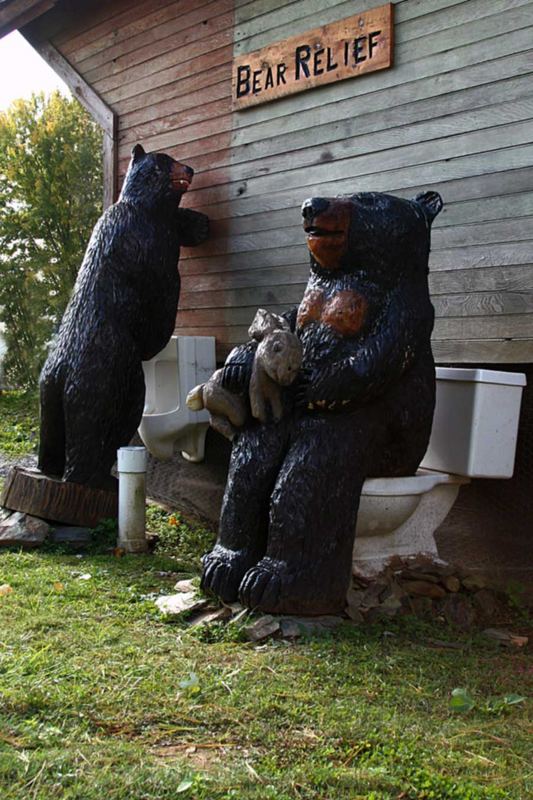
(131, 464)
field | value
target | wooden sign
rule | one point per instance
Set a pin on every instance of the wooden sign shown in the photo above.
(344, 49)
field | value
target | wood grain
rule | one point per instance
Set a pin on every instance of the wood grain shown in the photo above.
(60, 501)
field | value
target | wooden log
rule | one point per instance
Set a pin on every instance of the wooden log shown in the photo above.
(61, 501)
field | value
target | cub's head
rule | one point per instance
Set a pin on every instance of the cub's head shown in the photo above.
(279, 351)
(376, 233)
(280, 355)
(155, 178)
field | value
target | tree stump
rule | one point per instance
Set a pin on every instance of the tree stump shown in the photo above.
(61, 501)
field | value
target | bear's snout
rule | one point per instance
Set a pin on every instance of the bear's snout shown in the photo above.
(313, 206)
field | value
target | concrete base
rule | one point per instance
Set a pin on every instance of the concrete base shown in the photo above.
(422, 514)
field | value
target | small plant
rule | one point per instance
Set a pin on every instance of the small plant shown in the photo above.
(462, 701)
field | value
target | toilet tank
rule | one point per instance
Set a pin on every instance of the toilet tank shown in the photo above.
(475, 425)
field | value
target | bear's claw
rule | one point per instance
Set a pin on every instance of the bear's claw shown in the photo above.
(261, 586)
(223, 571)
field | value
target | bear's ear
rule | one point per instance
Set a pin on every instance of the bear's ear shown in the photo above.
(431, 202)
(137, 153)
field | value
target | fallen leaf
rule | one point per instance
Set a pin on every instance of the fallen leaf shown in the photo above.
(253, 774)
(58, 586)
(191, 685)
(85, 576)
(514, 699)
(461, 700)
(184, 786)
(5, 588)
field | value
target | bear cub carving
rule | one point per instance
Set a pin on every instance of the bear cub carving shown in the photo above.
(122, 312)
(276, 363)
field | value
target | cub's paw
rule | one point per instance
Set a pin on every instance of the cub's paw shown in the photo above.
(223, 571)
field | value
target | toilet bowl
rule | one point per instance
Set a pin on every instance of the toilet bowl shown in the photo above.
(474, 434)
(167, 422)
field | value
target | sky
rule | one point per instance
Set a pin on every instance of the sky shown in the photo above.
(23, 71)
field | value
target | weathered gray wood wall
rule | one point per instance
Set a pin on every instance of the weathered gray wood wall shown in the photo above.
(455, 113)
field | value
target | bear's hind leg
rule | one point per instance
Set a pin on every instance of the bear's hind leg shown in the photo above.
(98, 424)
(255, 460)
(51, 459)
(308, 561)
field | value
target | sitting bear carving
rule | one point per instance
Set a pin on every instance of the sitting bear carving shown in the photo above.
(122, 311)
(362, 406)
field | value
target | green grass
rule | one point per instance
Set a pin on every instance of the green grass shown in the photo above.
(97, 700)
(101, 698)
(18, 423)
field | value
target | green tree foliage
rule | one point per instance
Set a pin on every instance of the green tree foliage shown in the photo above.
(50, 198)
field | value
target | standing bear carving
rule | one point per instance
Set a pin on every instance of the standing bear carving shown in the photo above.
(362, 406)
(122, 312)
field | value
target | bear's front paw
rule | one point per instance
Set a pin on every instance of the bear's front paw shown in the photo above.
(201, 228)
(261, 586)
(223, 571)
(193, 227)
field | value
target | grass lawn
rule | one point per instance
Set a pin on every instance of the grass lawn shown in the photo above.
(101, 698)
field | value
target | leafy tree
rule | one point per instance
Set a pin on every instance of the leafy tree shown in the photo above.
(50, 198)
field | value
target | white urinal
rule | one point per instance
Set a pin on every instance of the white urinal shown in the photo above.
(185, 362)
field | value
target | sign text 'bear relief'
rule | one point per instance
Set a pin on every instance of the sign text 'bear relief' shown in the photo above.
(344, 49)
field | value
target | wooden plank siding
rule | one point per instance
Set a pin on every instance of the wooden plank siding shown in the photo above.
(455, 113)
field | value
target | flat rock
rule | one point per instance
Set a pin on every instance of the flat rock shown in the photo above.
(415, 575)
(210, 615)
(290, 629)
(310, 625)
(486, 602)
(474, 582)
(423, 589)
(23, 530)
(73, 535)
(186, 585)
(172, 605)
(458, 610)
(420, 606)
(372, 596)
(505, 637)
(262, 628)
(451, 583)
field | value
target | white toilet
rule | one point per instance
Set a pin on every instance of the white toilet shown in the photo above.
(185, 362)
(474, 435)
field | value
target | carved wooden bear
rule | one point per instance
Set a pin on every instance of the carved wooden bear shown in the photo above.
(122, 311)
(363, 407)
